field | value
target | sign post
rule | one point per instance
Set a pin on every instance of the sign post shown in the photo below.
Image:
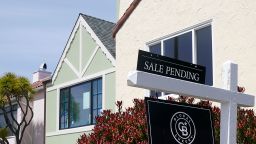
(228, 97)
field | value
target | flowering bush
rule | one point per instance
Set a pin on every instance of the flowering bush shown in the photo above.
(129, 126)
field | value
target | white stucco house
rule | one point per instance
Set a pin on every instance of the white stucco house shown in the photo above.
(205, 32)
(35, 132)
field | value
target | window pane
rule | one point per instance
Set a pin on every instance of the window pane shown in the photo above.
(184, 44)
(95, 87)
(179, 47)
(204, 51)
(99, 85)
(169, 48)
(79, 110)
(99, 111)
(100, 101)
(94, 102)
(95, 113)
(64, 95)
(156, 49)
(2, 119)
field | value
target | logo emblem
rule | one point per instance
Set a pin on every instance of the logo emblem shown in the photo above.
(183, 128)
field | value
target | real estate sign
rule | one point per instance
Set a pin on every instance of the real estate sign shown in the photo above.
(176, 123)
(165, 66)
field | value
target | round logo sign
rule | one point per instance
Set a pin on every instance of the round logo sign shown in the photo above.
(183, 128)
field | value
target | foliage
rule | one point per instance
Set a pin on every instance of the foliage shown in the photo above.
(122, 127)
(15, 90)
(129, 126)
(3, 136)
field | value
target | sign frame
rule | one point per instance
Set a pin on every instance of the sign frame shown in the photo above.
(177, 104)
(169, 67)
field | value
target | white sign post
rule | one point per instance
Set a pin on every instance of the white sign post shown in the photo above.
(228, 97)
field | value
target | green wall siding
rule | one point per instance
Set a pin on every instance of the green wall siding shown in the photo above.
(51, 111)
(88, 46)
(99, 63)
(73, 52)
(65, 74)
(110, 84)
(64, 139)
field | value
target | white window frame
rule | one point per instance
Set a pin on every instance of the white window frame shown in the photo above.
(73, 85)
(88, 128)
(192, 29)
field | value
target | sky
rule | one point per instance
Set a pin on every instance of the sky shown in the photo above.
(36, 31)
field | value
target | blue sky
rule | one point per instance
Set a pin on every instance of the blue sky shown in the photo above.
(32, 32)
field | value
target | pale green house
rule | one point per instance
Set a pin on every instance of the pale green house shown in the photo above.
(83, 83)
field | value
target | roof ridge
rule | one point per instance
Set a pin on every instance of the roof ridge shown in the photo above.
(96, 18)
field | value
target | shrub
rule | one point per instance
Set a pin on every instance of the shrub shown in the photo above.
(129, 126)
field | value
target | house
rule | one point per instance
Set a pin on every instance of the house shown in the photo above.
(34, 133)
(83, 83)
(205, 32)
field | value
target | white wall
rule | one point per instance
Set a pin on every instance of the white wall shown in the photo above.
(34, 133)
(233, 24)
(38, 119)
(11, 140)
(124, 4)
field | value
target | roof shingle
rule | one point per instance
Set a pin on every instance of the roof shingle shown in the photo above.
(103, 30)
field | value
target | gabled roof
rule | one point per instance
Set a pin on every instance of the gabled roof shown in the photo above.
(100, 30)
(125, 16)
(103, 30)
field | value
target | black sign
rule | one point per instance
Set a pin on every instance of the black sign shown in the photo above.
(165, 66)
(175, 123)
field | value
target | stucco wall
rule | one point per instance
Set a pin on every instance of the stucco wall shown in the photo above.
(38, 119)
(233, 35)
(123, 5)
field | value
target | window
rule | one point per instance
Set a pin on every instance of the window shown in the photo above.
(194, 46)
(80, 104)
(2, 119)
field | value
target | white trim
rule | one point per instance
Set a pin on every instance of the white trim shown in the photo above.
(57, 108)
(80, 129)
(72, 36)
(194, 47)
(180, 32)
(71, 67)
(90, 60)
(103, 48)
(213, 55)
(162, 47)
(71, 130)
(103, 91)
(193, 30)
(81, 21)
(80, 48)
(79, 80)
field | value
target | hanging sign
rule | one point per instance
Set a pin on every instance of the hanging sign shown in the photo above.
(165, 66)
(176, 123)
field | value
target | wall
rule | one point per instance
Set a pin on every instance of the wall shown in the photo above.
(38, 119)
(123, 5)
(11, 140)
(233, 36)
(82, 60)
